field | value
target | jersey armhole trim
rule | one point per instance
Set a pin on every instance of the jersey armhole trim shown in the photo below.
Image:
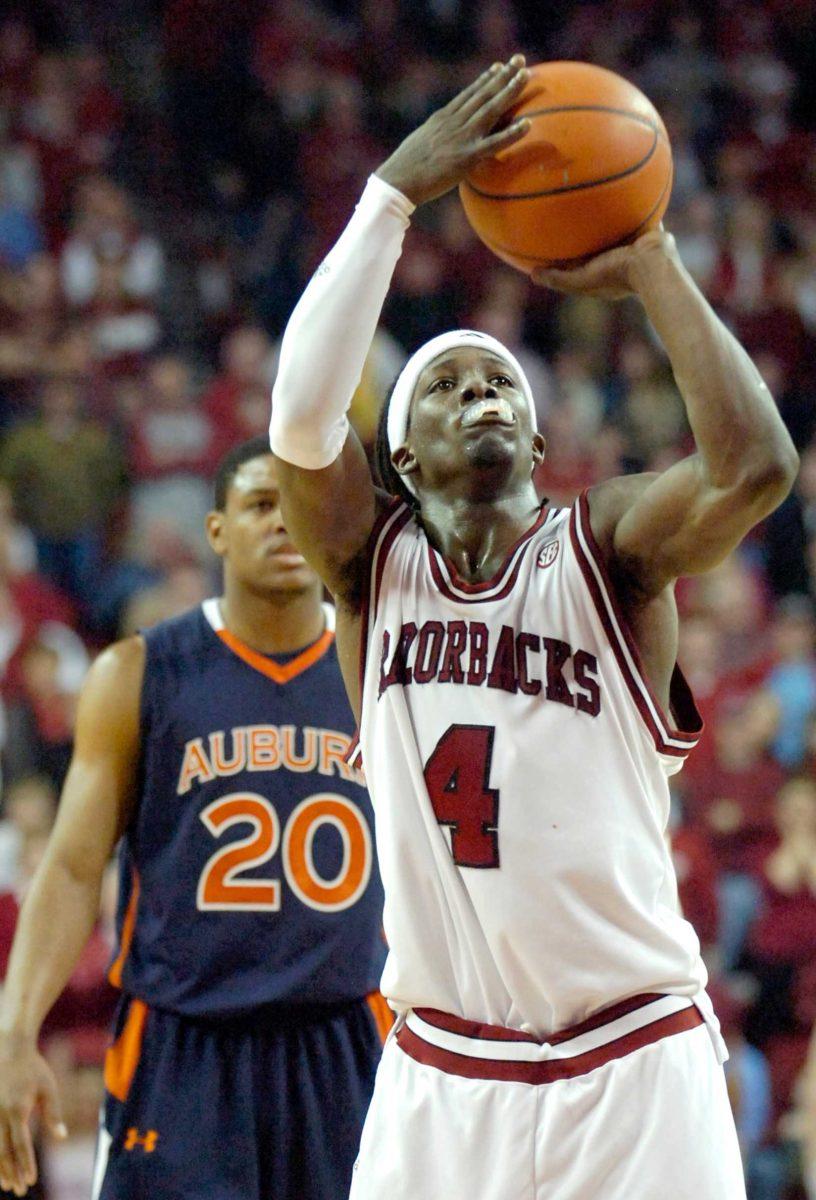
(128, 929)
(390, 522)
(667, 739)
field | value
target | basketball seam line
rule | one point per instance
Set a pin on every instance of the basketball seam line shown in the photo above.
(495, 246)
(604, 108)
(570, 187)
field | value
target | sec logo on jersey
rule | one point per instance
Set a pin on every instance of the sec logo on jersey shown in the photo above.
(548, 554)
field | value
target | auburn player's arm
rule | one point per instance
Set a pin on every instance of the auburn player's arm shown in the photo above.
(328, 499)
(686, 519)
(62, 903)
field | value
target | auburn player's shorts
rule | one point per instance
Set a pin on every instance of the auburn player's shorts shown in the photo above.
(629, 1105)
(268, 1108)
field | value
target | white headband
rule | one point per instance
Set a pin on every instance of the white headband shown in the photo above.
(400, 403)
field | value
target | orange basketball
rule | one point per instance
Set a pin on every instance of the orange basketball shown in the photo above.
(593, 171)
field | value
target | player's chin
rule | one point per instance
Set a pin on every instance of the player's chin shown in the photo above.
(279, 579)
(492, 445)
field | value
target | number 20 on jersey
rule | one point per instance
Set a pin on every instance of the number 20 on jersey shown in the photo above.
(223, 885)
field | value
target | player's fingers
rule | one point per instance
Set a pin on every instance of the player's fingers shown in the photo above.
(563, 281)
(496, 105)
(478, 83)
(23, 1151)
(578, 280)
(6, 1163)
(495, 142)
(494, 85)
(52, 1110)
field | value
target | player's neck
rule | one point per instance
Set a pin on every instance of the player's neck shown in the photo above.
(476, 536)
(273, 624)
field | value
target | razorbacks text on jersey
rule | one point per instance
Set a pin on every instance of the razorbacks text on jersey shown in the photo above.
(247, 873)
(518, 763)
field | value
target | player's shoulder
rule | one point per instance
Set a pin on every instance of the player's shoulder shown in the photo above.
(110, 698)
(181, 634)
(608, 501)
(116, 664)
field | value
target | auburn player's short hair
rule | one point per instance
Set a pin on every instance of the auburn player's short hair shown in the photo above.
(231, 464)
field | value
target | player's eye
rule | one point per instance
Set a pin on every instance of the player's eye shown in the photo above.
(441, 385)
(502, 381)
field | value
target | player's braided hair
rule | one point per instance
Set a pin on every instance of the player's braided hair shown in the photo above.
(386, 474)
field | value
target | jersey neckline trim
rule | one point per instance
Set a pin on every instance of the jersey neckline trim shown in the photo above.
(280, 673)
(668, 739)
(450, 583)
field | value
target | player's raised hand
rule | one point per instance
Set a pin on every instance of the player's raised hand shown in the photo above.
(437, 156)
(27, 1085)
(613, 274)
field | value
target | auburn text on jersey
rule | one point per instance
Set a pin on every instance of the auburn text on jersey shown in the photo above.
(265, 748)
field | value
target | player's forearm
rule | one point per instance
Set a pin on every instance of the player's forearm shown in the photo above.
(56, 920)
(331, 329)
(736, 424)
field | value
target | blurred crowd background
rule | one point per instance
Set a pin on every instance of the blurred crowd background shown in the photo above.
(170, 175)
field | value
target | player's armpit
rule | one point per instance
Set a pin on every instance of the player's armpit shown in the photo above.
(659, 527)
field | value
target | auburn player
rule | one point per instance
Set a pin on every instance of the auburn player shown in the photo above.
(520, 714)
(250, 942)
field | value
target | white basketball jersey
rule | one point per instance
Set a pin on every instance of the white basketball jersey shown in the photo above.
(518, 762)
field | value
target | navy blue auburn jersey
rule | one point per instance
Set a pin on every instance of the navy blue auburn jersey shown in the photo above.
(247, 872)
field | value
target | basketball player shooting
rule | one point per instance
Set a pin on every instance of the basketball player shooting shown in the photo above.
(520, 712)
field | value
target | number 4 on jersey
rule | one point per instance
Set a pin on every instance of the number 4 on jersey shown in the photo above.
(457, 776)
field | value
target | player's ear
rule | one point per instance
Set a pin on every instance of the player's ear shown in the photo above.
(216, 531)
(404, 461)
(539, 448)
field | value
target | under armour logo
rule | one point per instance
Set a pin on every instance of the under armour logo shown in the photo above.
(147, 1141)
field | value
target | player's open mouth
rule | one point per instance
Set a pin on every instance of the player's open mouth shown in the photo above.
(488, 412)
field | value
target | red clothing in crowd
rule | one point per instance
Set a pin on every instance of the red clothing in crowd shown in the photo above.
(786, 929)
(173, 442)
(88, 999)
(696, 869)
(35, 602)
(734, 811)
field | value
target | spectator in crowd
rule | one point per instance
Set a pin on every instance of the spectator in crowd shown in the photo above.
(65, 473)
(749, 1085)
(173, 446)
(792, 679)
(112, 273)
(41, 718)
(29, 806)
(731, 802)
(783, 940)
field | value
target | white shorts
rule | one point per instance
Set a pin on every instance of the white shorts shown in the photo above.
(630, 1105)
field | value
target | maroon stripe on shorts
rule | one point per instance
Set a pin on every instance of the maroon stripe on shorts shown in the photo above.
(497, 1033)
(553, 1070)
(472, 1029)
(604, 1017)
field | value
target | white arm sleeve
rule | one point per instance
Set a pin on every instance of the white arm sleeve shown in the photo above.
(331, 329)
